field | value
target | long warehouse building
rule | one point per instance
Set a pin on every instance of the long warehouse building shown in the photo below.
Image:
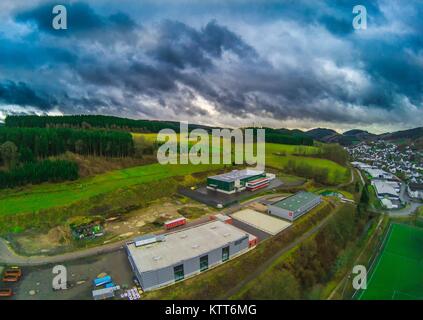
(294, 206)
(175, 256)
(234, 181)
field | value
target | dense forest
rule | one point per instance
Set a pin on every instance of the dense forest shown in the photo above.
(293, 139)
(49, 142)
(285, 136)
(312, 264)
(94, 121)
(38, 172)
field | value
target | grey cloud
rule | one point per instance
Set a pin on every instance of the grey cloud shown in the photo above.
(164, 66)
(21, 94)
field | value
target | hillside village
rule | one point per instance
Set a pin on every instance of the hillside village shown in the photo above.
(401, 161)
(387, 164)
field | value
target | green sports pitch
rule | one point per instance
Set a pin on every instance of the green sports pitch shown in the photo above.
(398, 271)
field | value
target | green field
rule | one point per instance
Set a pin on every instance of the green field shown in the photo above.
(278, 156)
(53, 195)
(48, 195)
(397, 273)
(337, 173)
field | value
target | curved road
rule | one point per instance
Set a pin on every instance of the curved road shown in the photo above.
(9, 257)
(410, 209)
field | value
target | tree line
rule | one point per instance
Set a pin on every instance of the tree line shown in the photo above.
(93, 121)
(306, 272)
(38, 172)
(47, 142)
(289, 139)
(281, 136)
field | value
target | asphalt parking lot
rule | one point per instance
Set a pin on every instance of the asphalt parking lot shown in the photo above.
(213, 198)
(261, 235)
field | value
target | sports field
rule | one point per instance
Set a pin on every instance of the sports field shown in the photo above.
(398, 271)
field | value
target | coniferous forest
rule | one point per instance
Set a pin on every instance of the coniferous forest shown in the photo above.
(39, 172)
(26, 148)
(53, 141)
(90, 121)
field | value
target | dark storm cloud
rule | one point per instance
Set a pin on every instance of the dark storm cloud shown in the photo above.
(21, 94)
(180, 45)
(317, 67)
(81, 19)
(27, 53)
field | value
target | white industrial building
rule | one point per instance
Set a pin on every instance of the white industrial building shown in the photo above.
(415, 191)
(361, 165)
(378, 173)
(175, 256)
(385, 190)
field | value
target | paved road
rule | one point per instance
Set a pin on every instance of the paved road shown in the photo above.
(9, 257)
(361, 176)
(411, 207)
(349, 182)
(272, 259)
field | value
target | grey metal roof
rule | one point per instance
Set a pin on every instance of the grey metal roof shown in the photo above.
(416, 186)
(384, 188)
(236, 175)
(183, 245)
(296, 201)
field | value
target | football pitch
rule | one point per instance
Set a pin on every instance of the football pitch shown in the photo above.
(398, 271)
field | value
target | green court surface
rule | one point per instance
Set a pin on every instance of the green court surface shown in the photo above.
(398, 271)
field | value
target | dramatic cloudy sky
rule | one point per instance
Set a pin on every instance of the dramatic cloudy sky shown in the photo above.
(295, 64)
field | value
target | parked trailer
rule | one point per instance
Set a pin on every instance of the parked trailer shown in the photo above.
(106, 293)
(102, 281)
(175, 223)
(257, 184)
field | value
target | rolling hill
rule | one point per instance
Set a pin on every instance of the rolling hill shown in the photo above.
(356, 135)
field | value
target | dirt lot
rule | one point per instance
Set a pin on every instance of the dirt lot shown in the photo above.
(36, 283)
(146, 220)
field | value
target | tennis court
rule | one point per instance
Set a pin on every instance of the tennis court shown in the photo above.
(398, 271)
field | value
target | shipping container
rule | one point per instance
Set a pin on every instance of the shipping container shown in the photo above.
(175, 223)
(102, 281)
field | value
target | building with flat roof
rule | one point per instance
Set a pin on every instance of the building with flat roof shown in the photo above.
(176, 256)
(415, 190)
(378, 173)
(387, 203)
(385, 190)
(294, 206)
(233, 181)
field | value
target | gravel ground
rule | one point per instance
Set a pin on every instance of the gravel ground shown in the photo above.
(36, 283)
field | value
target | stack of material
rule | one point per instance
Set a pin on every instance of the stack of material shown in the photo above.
(132, 294)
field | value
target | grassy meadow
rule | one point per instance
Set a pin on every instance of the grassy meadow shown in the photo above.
(49, 195)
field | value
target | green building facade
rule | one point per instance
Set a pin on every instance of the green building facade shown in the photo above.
(233, 181)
